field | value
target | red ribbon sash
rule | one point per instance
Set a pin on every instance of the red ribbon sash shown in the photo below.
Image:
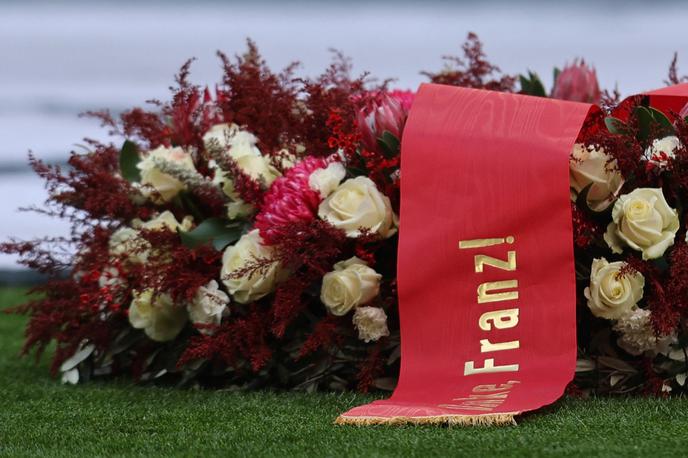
(485, 270)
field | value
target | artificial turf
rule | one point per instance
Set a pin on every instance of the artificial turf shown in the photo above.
(41, 417)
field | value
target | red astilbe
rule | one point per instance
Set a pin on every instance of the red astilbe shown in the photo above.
(263, 102)
(665, 316)
(371, 367)
(473, 71)
(325, 335)
(146, 127)
(585, 230)
(308, 249)
(70, 310)
(328, 118)
(92, 185)
(176, 269)
(677, 287)
(673, 77)
(244, 337)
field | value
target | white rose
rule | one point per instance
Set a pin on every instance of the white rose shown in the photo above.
(157, 315)
(610, 294)
(251, 287)
(166, 220)
(259, 168)
(166, 185)
(351, 284)
(326, 180)
(662, 151)
(644, 221)
(230, 137)
(593, 168)
(208, 306)
(357, 204)
(371, 323)
(126, 241)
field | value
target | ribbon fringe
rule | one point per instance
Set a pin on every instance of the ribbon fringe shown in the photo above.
(502, 419)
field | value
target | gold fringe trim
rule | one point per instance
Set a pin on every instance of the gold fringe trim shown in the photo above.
(502, 419)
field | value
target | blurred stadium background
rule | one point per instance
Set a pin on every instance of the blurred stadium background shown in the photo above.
(58, 59)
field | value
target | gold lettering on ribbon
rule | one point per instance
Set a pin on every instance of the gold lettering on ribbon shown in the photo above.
(482, 260)
(488, 368)
(483, 398)
(491, 292)
(485, 296)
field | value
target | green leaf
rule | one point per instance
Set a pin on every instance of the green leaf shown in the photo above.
(128, 160)
(557, 71)
(616, 126)
(532, 85)
(389, 144)
(652, 121)
(213, 230)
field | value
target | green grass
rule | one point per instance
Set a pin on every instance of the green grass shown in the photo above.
(41, 417)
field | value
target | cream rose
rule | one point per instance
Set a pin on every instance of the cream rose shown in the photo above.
(352, 283)
(357, 204)
(371, 323)
(595, 169)
(128, 240)
(662, 150)
(166, 186)
(230, 137)
(249, 288)
(208, 306)
(643, 221)
(157, 315)
(166, 221)
(610, 294)
(326, 180)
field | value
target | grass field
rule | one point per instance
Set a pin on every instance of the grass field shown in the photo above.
(41, 417)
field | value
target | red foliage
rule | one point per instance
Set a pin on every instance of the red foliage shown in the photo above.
(371, 368)
(473, 71)
(325, 335)
(176, 269)
(264, 102)
(244, 337)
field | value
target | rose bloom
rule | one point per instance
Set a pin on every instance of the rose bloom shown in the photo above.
(157, 315)
(208, 306)
(357, 204)
(349, 285)
(167, 186)
(371, 323)
(643, 221)
(593, 168)
(249, 288)
(127, 240)
(326, 180)
(610, 294)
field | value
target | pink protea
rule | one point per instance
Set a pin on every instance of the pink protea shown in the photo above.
(577, 83)
(290, 199)
(404, 97)
(381, 113)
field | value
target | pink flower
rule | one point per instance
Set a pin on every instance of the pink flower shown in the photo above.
(290, 199)
(384, 112)
(404, 97)
(577, 83)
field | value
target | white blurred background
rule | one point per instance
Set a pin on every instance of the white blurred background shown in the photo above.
(58, 59)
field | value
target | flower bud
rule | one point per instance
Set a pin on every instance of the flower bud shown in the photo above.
(577, 83)
(380, 114)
